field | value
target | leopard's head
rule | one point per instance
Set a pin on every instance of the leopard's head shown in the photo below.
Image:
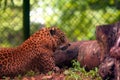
(59, 37)
(50, 38)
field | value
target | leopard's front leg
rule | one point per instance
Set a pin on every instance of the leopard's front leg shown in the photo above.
(45, 60)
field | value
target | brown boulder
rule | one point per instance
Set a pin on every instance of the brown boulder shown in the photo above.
(108, 36)
(65, 55)
(89, 54)
(86, 52)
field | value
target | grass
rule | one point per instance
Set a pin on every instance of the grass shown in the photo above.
(78, 73)
(74, 73)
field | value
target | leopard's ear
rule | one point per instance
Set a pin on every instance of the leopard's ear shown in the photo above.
(52, 31)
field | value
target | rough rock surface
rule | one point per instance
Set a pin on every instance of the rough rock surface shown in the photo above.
(86, 52)
(108, 36)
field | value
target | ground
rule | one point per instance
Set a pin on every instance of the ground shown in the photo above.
(73, 73)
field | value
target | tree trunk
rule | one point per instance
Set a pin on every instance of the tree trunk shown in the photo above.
(108, 36)
(26, 20)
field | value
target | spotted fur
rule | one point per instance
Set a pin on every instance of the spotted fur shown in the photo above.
(36, 53)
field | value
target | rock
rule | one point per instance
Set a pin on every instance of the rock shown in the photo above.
(86, 52)
(108, 36)
(64, 56)
(107, 68)
(89, 54)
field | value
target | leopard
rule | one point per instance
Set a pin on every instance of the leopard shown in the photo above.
(35, 53)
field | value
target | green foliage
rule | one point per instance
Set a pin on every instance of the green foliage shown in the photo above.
(11, 24)
(6, 78)
(78, 73)
(77, 18)
(19, 77)
(5, 3)
(80, 17)
(71, 75)
(30, 73)
(50, 72)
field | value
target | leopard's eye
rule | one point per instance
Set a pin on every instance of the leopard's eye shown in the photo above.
(52, 31)
(62, 39)
(63, 36)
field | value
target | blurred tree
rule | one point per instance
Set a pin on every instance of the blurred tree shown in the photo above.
(80, 18)
(26, 18)
(77, 18)
(11, 22)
